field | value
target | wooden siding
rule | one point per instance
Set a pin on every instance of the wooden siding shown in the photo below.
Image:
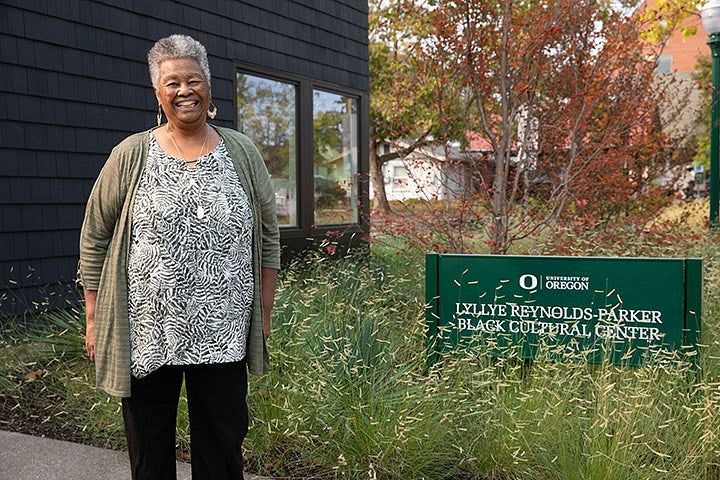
(75, 83)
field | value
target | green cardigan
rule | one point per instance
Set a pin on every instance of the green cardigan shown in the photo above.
(105, 245)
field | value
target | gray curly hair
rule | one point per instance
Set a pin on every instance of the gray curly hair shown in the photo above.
(176, 46)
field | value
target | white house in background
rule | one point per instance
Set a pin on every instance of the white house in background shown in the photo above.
(424, 174)
(432, 172)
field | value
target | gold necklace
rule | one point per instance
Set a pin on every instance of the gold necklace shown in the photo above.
(200, 210)
(182, 155)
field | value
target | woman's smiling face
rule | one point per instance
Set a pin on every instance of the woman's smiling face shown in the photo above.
(183, 92)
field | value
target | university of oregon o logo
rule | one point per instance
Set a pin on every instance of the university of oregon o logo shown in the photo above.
(554, 282)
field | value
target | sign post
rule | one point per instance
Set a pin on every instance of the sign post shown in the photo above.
(604, 309)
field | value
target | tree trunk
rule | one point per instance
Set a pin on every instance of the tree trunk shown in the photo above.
(381, 206)
(499, 234)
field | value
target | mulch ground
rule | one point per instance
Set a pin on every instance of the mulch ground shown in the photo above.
(14, 418)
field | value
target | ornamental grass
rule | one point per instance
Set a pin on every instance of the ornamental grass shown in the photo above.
(350, 394)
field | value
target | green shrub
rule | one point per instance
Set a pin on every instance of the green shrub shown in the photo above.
(350, 396)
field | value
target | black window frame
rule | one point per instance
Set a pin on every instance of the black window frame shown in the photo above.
(302, 236)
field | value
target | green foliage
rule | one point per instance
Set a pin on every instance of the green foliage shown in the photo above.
(349, 398)
(557, 96)
(703, 78)
(47, 385)
(349, 394)
(663, 17)
(400, 96)
(354, 399)
(62, 334)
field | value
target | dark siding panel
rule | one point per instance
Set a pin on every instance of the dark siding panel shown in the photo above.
(23, 163)
(12, 22)
(11, 218)
(39, 286)
(48, 193)
(29, 246)
(4, 191)
(15, 77)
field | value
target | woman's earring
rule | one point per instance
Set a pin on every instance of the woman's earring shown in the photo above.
(159, 115)
(212, 111)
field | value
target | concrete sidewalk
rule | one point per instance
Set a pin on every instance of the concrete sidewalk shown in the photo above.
(24, 457)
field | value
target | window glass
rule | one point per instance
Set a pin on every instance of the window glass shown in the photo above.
(267, 114)
(335, 158)
(664, 63)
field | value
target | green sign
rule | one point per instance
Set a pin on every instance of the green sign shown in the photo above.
(617, 309)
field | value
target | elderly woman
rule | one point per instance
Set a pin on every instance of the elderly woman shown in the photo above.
(179, 254)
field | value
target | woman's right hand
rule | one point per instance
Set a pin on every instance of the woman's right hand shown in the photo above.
(90, 298)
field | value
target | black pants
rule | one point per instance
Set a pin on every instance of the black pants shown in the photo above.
(218, 414)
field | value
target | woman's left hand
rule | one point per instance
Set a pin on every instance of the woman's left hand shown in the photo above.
(266, 325)
(90, 300)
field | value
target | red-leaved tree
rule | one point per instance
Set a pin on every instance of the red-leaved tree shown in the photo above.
(560, 93)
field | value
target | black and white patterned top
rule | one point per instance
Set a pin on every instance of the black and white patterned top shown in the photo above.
(190, 278)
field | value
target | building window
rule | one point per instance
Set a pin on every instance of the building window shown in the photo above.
(400, 171)
(267, 113)
(309, 135)
(400, 178)
(663, 63)
(335, 158)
